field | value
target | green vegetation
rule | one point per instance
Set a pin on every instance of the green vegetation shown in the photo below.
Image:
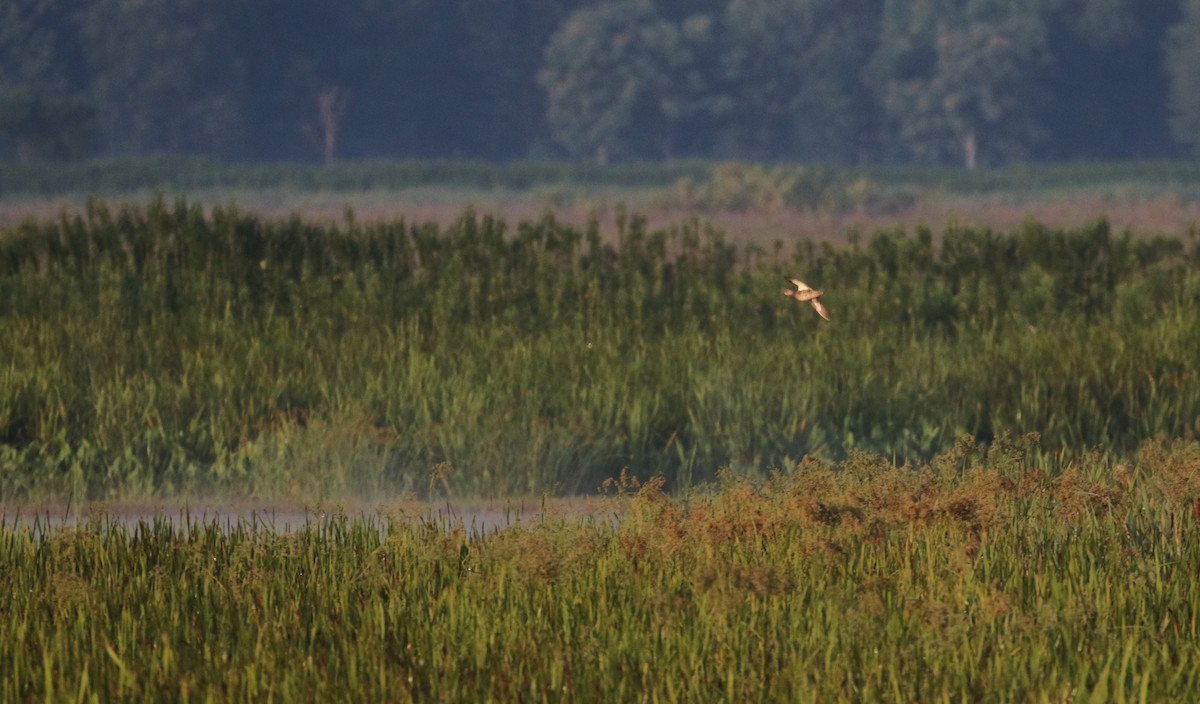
(735, 187)
(974, 578)
(694, 184)
(163, 349)
(702, 185)
(980, 481)
(969, 82)
(173, 174)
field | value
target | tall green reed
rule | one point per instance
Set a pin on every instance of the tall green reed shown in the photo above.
(171, 348)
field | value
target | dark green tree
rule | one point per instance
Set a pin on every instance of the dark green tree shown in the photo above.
(1107, 80)
(1182, 60)
(45, 125)
(506, 43)
(967, 81)
(164, 74)
(797, 72)
(959, 78)
(1097, 22)
(27, 44)
(622, 80)
(42, 113)
(400, 72)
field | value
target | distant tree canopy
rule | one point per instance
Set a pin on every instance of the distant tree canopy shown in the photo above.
(1183, 61)
(795, 75)
(44, 112)
(972, 82)
(955, 76)
(624, 80)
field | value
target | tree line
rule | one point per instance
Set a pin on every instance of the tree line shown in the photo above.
(839, 81)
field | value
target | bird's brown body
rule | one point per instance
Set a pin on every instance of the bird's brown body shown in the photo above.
(804, 292)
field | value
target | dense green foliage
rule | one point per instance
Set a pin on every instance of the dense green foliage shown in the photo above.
(977, 578)
(862, 81)
(165, 349)
(1182, 54)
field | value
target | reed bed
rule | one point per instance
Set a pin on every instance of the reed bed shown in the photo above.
(167, 348)
(975, 577)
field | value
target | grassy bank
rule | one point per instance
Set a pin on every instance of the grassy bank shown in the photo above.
(186, 174)
(167, 349)
(976, 577)
(175, 174)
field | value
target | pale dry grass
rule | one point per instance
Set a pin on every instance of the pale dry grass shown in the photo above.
(1143, 213)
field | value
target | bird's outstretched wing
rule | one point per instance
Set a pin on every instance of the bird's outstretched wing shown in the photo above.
(816, 303)
(800, 285)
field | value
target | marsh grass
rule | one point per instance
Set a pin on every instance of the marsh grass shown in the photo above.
(172, 349)
(979, 576)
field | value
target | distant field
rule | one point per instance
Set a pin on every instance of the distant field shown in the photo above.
(1141, 197)
(1141, 214)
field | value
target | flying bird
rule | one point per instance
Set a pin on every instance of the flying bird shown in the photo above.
(804, 292)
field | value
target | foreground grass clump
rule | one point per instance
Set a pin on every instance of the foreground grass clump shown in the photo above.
(167, 349)
(976, 577)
